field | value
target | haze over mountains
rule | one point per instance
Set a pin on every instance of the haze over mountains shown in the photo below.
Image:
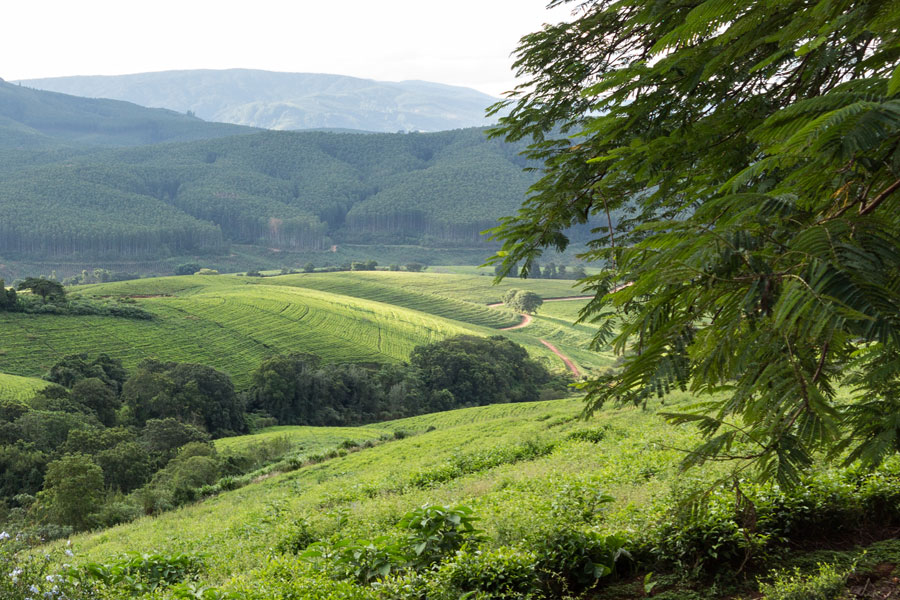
(288, 101)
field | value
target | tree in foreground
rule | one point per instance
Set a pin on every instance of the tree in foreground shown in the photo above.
(741, 162)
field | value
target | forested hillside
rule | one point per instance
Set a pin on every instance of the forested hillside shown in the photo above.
(289, 100)
(33, 119)
(282, 190)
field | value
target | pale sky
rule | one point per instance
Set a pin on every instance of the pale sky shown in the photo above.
(457, 42)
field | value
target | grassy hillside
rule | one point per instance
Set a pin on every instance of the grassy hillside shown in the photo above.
(475, 289)
(233, 323)
(543, 484)
(13, 387)
(373, 487)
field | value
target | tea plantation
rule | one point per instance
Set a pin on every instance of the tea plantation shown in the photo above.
(233, 322)
(524, 501)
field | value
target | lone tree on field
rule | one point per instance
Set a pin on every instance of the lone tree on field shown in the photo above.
(522, 301)
(750, 152)
(45, 288)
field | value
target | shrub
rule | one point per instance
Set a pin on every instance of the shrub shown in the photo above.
(435, 532)
(490, 574)
(827, 584)
(362, 560)
(299, 538)
(572, 559)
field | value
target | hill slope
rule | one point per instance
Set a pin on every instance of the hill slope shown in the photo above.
(289, 100)
(234, 323)
(283, 190)
(32, 119)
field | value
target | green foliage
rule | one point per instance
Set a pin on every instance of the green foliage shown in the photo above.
(522, 300)
(73, 490)
(478, 371)
(435, 532)
(828, 584)
(77, 367)
(139, 573)
(742, 162)
(8, 298)
(432, 534)
(187, 392)
(188, 268)
(502, 573)
(47, 289)
(575, 559)
(27, 575)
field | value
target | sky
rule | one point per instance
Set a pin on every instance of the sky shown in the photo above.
(457, 42)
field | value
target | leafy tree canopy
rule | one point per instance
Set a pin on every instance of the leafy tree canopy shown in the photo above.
(741, 159)
(45, 288)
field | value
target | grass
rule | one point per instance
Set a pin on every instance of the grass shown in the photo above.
(233, 323)
(366, 492)
(304, 439)
(477, 289)
(401, 289)
(13, 387)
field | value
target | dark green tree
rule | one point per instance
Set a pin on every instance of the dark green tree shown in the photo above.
(75, 367)
(73, 491)
(188, 268)
(126, 466)
(750, 151)
(47, 289)
(7, 297)
(162, 437)
(478, 371)
(98, 397)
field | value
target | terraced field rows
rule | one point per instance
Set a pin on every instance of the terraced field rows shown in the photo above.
(231, 328)
(13, 387)
(480, 290)
(400, 291)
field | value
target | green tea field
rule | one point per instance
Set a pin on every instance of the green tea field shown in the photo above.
(233, 323)
(13, 387)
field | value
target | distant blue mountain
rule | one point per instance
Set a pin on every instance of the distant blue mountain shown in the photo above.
(288, 101)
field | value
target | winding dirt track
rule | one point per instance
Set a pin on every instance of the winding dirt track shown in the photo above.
(565, 359)
(526, 321)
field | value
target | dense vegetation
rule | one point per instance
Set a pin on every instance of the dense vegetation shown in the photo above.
(70, 452)
(753, 151)
(288, 191)
(513, 500)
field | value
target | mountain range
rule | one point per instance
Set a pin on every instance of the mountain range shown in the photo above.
(288, 101)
